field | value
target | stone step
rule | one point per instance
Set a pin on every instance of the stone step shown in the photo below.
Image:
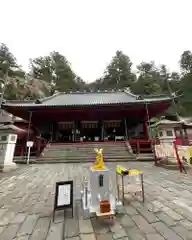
(85, 154)
(84, 149)
(145, 157)
(85, 161)
(89, 158)
(79, 157)
(75, 160)
(85, 157)
(89, 144)
(88, 148)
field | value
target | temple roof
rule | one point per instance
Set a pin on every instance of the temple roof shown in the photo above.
(166, 122)
(87, 99)
(11, 127)
(5, 117)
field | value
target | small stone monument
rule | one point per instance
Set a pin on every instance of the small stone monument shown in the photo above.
(98, 199)
(8, 138)
(99, 181)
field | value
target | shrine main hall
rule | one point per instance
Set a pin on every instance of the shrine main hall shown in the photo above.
(90, 116)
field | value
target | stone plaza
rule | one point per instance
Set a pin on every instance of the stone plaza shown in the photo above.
(27, 196)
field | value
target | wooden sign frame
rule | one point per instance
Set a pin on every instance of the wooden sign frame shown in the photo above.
(64, 205)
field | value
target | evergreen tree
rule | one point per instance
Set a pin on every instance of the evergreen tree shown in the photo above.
(118, 73)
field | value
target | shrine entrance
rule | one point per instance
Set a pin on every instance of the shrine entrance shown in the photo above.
(64, 132)
(114, 130)
(90, 131)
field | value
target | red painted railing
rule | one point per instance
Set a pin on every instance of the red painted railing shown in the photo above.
(179, 162)
(142, 145)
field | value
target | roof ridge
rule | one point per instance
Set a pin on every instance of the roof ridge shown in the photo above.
(49, 97)
(156, 95)
(128, 91)
(81, 92)
(19, 101)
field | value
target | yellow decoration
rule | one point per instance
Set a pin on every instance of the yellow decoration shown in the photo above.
(122, 170)
(134, 172)
(99, 164)
(190, 153)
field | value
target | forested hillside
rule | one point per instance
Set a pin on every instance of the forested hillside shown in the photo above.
(52, 73)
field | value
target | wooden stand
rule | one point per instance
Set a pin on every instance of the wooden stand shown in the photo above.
(108, 215)
(67, 194)
(131, 171)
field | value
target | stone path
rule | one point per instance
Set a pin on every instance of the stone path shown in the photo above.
(26, 201)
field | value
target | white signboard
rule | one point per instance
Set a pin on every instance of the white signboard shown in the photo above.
(30, 144)
(63, 196)
(64, 192)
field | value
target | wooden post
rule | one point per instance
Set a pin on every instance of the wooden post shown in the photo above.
(38, 141)
(186, 135)
(126, 130)
(117, 184)
(74, 131)
(102, 130)
(52, 131)
(142, 187)
(138, 146)
(28, 133)
(177, 156)
(148, 120)
(29, 125)
(145, 129)
(123, 190)
(22, 150)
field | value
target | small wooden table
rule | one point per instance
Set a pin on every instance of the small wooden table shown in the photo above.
(109, 215)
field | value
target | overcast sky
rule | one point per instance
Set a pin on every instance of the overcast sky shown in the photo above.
(88, 32)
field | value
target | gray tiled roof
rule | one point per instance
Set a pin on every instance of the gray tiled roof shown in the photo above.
(172, 123)
(85, 99)
(11, 127)
(5, 117)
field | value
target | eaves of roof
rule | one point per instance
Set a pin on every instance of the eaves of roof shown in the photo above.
(87, 100)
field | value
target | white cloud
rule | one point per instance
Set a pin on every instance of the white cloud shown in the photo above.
(88, 32)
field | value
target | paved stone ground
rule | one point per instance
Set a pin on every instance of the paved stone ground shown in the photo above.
(26, 201)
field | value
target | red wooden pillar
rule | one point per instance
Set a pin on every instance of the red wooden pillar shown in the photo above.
(177, 156)
(145, 129)
(138, 146)
(38, 141)
(22, 151)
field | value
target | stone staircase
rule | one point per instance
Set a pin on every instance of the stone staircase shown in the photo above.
(84, 152)
(145, 157)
